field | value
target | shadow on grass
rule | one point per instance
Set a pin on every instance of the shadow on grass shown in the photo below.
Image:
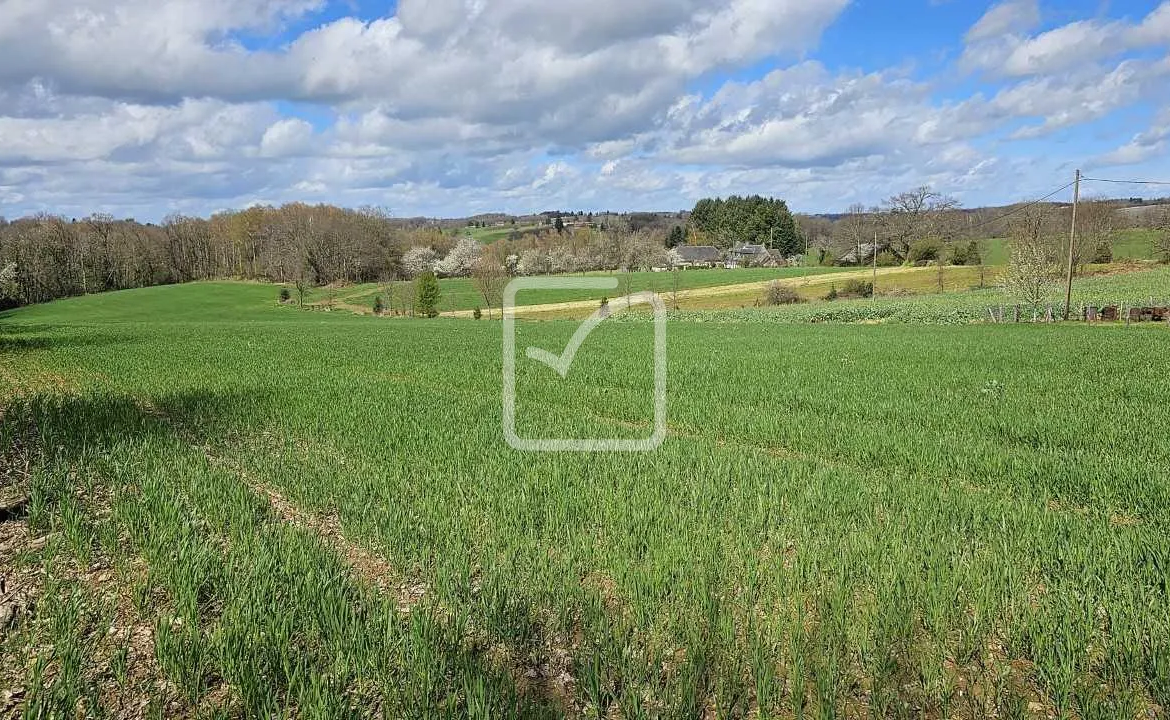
(28, 338)
(125, 444)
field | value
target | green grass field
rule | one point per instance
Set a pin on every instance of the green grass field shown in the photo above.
(1128, 245)
(489, 235)
(461, 293)
(1134, 244)
(995, 251)
(236, 509)
(911, 297)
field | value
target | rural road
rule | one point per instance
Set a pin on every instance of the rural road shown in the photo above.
(713, 291)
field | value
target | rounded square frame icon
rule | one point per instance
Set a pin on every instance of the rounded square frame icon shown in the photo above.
(561, 363)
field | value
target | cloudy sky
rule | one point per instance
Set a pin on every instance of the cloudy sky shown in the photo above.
(452, 107)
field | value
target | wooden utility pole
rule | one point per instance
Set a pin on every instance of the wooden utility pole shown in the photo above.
(873, 290)
(1072, 239)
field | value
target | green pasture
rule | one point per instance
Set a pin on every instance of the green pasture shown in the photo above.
(316, 514)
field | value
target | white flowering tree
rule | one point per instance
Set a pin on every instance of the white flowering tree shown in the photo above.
(1033, 269)
(461, 260)
(588, 259)
(560, 260)
(9, 288)
(418, 260)
(532, 262)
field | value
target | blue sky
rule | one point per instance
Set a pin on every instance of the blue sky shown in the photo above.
(452, 107)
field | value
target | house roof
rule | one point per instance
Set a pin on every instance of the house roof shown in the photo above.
(749, 249)
(851, 256)
(699, 253)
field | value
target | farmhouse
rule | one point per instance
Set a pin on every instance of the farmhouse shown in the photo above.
(699, 256)
(854, 258)
(750, 255)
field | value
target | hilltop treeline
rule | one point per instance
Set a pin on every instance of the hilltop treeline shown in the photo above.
(922, 225)
(754, 219)
(52, 257)
(57, 257)
(46, 257)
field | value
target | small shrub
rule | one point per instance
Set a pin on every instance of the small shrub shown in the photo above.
(887, 259)
(426, 295)
(285, 295)
(1104, 253)
(477, 313)
(856, 289)
(832, 294)
(778, 294)
(1162, 248)
(828, 259)
(924, 250)
(963, 254)
(379, 307)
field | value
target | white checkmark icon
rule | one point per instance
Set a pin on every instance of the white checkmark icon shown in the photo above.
(561, 362)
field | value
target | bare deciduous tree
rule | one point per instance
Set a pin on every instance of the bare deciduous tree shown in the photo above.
(817, 232)
(854, 224)
(59, 257)
(913, 215)
(643, 250)
(304, 279)
(188, 243)
(1095, 228)
(1162, 239)
(490, 279)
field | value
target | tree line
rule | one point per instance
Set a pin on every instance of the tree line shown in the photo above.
(923, 226)
(44, 257)
(736, 220)
(48, 256)
(55, 257)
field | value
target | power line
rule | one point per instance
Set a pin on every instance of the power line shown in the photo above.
(1128, 182)
(1060, 189)
(1022, 208)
